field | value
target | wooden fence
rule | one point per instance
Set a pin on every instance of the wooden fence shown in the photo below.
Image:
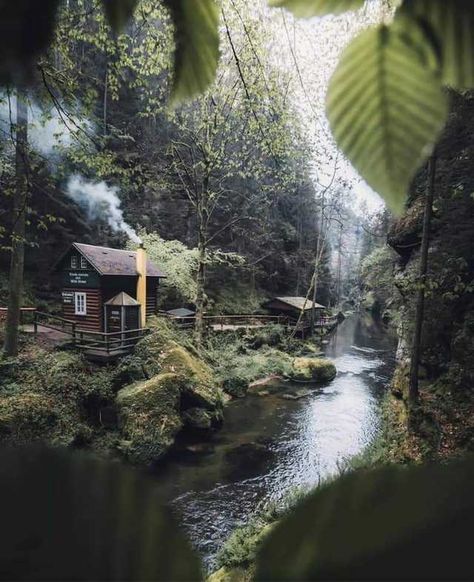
(26, 313)
(92, 342)
(229, 322)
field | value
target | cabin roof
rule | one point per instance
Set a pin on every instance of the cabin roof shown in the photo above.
(122, 299)
(298, 303)
(108, 261)
(181, 312)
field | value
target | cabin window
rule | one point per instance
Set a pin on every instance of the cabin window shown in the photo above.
(80, 304)
(83, 263)
(73, 262)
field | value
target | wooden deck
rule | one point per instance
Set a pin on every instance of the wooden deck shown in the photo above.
(96, 346)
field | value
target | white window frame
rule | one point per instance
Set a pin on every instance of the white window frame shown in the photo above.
(80, 303)
(83, 262)
(74, 262)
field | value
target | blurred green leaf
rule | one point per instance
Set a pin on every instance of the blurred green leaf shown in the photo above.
(68, 516)
(392, 523)
(197, 46)
(450, 27)
(386, 106)
(26, 30)
(308, 8)
(118, 12)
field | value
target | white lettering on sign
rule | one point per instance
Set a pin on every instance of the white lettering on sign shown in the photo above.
(78, 278)
(68, 296)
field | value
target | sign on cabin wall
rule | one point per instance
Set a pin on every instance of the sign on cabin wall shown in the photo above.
(68, 297)
(81, 279)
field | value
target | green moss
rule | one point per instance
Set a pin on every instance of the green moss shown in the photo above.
(237, 557)
(27, 417)
(240, 550)
(313, 370)
(230, 575)
(198, 383)
(149, 417)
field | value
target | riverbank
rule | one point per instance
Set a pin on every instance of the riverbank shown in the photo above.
(269, 446)
(218, 479)
(136, 409)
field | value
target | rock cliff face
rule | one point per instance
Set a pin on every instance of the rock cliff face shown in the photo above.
(447, 370)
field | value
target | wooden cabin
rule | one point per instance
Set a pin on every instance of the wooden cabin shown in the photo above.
(105, 289)
(292, 306)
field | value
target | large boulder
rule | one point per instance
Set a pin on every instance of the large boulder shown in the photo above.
(318, 370)
(198, 386)
(149, 417)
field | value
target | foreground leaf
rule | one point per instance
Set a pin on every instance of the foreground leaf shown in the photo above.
(67, 516)
(451, 28)
(391, 523)
(386, 107)
(197, 46)
(309, 8)
(26, 30)
(119, 11)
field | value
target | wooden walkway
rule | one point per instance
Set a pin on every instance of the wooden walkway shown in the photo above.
(108, 346)
(96, 345)
(219, 323)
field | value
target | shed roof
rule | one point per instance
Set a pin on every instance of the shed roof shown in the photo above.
(109, 261)
(180, 312)
(122, 299)
(299, 303)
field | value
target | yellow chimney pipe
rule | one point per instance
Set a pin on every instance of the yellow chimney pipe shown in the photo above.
(141, 283)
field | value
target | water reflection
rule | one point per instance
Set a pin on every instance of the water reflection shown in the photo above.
(269, 446)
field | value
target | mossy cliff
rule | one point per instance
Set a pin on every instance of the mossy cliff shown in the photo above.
(444, 423)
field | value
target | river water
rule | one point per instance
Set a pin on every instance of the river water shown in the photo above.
(270, 446)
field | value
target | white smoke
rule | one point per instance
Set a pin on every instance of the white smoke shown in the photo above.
(48, 130)
(100, 201)
(49, 133)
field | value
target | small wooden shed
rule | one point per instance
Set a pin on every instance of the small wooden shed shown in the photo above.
(122, 312)
(292, 307)
(98, 283)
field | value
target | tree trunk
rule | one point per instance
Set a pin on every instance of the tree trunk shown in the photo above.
(413, 391)
(339, 269)
(17, 260)
(319, 254)
(200, 287)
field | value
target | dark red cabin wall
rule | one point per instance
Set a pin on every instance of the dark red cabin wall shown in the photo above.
(93, 321)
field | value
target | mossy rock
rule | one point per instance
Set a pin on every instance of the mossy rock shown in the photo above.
(198, 385)
(27, 417)
(318, 370)
(149, 417)
(230, 575)
(199, 418)
(236, 386)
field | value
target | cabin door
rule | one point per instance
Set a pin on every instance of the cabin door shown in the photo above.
(132, 317)
(113, 318)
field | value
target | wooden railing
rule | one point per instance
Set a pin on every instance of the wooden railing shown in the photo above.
(108, 342)
(26, 313)
(53, 322)
(99, 341)
(221, 321)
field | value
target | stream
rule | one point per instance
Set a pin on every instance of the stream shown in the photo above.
(269, 446)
